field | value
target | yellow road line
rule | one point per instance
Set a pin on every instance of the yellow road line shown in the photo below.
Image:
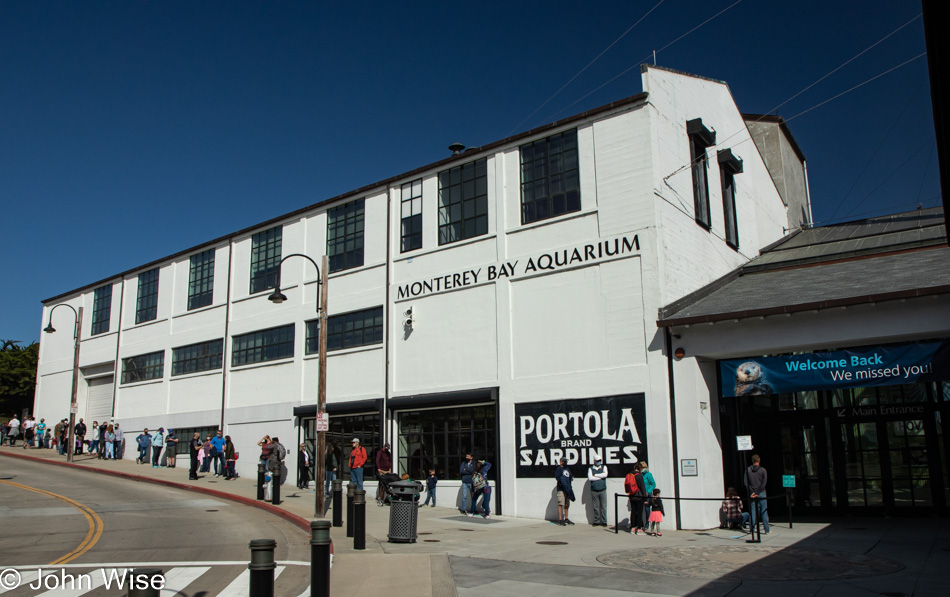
(95, 523)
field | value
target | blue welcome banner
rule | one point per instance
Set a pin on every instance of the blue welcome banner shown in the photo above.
(870, 366)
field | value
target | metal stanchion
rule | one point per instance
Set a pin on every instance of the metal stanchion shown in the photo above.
(151, 588)
(359, 519)
(788, 503)
(337, 502)
(320, 558)
(262, 567)
(275, 486)
(260, 481)
(754, 531)
(350, 488)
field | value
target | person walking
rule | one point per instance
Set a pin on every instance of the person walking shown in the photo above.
(384, 466)
(597, 475)
(636, 493)
(144, 441)
(331, 463)
(466, 470)
(217, 453)
(158, 442)
(193, 449)
(356, 461)
(649, 484)
(431, 482)
(303, 468)
(230, 458)
(565, 493)
(171, 448)
(756, 479)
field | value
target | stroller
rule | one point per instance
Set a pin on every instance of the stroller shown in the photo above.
(384, 497)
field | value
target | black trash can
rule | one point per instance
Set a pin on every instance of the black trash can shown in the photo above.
(404, 511)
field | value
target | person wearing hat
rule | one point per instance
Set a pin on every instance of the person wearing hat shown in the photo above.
(357, 460)
(565, 493)
(384, 466)
(597, 475)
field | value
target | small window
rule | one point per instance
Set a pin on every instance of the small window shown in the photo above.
(101, 309)
(411, 204)
(265, 259)
(265, 345)
(729, 166)
(700, 138)
(186, 434)
(345, 236)
(146, 305)
(348, 330)
(204, 356)
(143, 367)
(201, 280)
(550, 185)
(463, 202)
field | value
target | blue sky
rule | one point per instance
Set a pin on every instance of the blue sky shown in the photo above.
(132, 130)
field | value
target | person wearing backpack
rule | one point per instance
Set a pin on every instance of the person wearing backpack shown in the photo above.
(481, 487)
(278, 454)
(636, 491)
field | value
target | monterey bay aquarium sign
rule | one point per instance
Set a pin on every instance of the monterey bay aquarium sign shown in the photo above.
(863, 367)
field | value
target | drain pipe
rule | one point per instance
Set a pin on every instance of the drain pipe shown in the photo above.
(668, 335)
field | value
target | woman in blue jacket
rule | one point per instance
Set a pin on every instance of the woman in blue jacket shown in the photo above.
(650, 486)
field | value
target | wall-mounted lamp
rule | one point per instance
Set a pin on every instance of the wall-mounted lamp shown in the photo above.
(679, 353)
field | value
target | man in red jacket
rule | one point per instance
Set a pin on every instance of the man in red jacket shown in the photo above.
(357, 460)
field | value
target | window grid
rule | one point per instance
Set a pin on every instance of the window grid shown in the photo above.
(204, 356)
(698, 159)
(143, 367)
(550, 184)
(265, 259)
(463, 202)
(101, 309)
(201, 280)
(440, 438)
(411, 215)
(348, 330)
(265, 345)
(343, 428)
(188, 433)
(146, 304)
(729, 208)
(345, 236)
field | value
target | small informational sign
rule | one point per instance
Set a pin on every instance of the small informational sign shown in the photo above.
(323, 422)
(788, 480)
(73, 408)
(744, 442)
(689, 467)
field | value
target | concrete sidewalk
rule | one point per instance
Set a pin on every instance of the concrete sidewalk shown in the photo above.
(459, 555)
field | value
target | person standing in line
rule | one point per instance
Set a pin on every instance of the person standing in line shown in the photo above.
(171, 448)
(265, 449)
(649, 484)
(278, 454)
(80, 432)
(119, 443)
(193, 449)
(63, 437)
(303, 467)
(41, 438)
(109, 438)
(431, 482)
(58, 431)
(28, 433)
(466, 471)
(597, 475)
(144, 441)
(636, 492)
(158, 442)
(357, 460)
(384, 466)
(732, 510)
(482, 467)
(656, 514)
(204, 456)
(756, 478)
(94, 443)
(230, 458)
(13, 430)
(217, 453)
(101, 451)
(565, 493)
(331, 463)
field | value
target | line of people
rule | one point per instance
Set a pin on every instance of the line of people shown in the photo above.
(160, 448)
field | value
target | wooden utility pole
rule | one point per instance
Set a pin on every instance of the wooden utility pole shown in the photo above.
(322, 394)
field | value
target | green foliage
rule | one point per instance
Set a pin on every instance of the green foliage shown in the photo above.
(17, 376)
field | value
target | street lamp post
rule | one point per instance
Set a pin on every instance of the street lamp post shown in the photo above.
(73, 405)
(278, 297)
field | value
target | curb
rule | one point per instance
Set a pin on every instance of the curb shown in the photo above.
(299, 521)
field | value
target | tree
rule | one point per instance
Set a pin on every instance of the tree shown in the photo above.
(17, 376)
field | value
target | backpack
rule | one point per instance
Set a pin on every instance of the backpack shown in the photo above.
(281, 452)
(478, 482)
(631, 486)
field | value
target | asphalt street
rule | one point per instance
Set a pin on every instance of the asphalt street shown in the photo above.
(55, 520)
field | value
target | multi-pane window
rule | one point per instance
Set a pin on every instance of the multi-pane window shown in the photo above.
(201, 280)
(699, 139)
(439, 439)
(143, 367)
(411, 215)
(729, 166)
(348, 330)
(463, 202)
(146, 305)
(101, 309)
(204, 356)
(339, 438)
(345, 236)
(185, 435)
(549, 180)
(265, 259)
(265, 345)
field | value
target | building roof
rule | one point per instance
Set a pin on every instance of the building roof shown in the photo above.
(883, 258)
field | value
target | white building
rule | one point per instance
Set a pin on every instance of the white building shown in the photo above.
(534, 268)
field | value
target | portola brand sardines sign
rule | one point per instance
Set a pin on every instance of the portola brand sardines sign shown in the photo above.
(863, 367)
(613, 428)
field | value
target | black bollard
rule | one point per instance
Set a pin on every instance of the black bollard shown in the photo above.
(260, 481)
(275, 487)
(319, 558)
(359, 519)
(145, 582)
(350, 488)
(262, 567)
(337, 502)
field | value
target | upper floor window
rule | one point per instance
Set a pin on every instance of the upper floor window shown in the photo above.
(146, 305)
(463, 202)
(729, 166)
(204, 356)
(549, 180)
(699, 139)
(265, 258)
(201, 280)
(348, 330)
(265, 345)
(101, 309)
(143, 367)
(345, 236)
(411, 216)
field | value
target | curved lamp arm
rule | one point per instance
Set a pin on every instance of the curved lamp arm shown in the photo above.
(49, 329)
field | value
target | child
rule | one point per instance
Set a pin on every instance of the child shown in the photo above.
(431, 481)
(656, 514)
